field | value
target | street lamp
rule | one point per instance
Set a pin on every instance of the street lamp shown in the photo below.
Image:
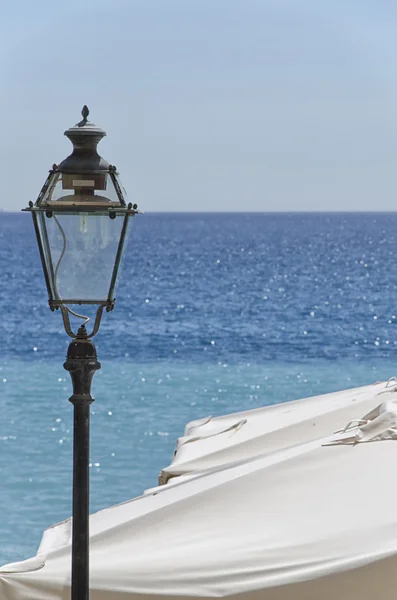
(81, 221)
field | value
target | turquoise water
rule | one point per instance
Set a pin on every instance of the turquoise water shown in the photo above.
(297, 305)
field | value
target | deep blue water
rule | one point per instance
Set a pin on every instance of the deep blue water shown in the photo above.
(215, 313)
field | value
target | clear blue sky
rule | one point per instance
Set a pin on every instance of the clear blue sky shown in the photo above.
(208, 104)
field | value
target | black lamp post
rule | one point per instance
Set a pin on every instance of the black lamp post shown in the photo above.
(81, 221)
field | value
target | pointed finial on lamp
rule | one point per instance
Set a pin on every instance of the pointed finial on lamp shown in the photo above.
(85, 112)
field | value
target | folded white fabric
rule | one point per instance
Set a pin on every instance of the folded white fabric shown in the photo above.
(379, 424)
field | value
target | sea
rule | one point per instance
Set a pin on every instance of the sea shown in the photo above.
(215, 313)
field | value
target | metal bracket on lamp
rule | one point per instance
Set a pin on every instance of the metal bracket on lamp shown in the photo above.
(66, 321)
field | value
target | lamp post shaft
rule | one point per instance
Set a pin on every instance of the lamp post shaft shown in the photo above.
(81, 490)
(81, 363)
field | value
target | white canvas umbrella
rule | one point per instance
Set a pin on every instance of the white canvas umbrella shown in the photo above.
(315, 520)
(212, 442)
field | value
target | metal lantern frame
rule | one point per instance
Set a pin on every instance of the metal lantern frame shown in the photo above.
(84, 161)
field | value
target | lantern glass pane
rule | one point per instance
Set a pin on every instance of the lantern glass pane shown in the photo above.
(80, 253)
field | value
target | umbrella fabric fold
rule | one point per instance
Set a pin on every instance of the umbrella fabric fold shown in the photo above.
(213, 442)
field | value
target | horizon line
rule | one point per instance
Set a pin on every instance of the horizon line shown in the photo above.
(248, 212)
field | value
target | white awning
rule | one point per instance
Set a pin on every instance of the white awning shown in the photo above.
(314, 520)
(213, 442)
